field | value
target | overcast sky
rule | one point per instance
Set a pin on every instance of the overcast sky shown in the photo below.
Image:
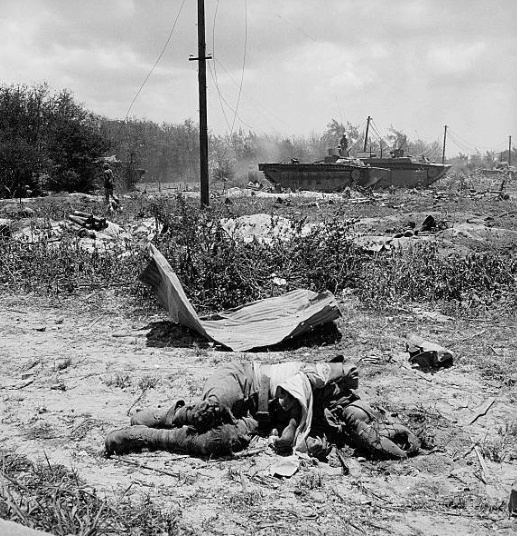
(280, 67)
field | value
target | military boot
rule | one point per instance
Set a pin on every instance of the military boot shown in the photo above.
(364, 430)
(373, 438)
(345, 374)
(222, 440)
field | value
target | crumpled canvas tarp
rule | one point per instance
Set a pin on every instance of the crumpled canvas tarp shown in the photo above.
(254, 325)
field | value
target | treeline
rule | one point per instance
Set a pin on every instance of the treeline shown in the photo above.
(170, 153)
(49, 143)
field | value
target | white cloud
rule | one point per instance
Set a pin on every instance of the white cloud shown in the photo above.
(456, 58)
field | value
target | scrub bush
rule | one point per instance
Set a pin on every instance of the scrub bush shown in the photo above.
(424, 273)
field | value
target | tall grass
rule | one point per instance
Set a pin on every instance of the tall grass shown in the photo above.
(63, 267)
(53, 498)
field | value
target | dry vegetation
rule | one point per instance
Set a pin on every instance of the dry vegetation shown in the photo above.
(83, 343)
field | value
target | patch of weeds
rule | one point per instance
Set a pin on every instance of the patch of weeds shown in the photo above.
(485, 505)
(502, 446)
(233, 473)
(145, 519)
(456, 502)
(14, 463)
(312, 480)
(246, 499)
(42, 430)
(82, 429)
(220, 271)
(200, 351)
(148, 382)
(497, 370)
(55, 499)
(119, 380)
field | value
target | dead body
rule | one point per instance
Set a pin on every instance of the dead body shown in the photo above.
(302, 407)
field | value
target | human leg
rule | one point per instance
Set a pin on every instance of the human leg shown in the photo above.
(222, 440)
(157, 417)
(363, 429)
(343, 373)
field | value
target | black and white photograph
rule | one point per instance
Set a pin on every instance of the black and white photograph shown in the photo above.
(258, 268)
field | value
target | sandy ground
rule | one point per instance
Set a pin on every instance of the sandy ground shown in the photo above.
(72, 370)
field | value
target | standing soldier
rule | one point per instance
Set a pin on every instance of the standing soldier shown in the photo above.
(343, 145)
(109, 182)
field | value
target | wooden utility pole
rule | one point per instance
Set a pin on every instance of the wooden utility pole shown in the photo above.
(203, 121)
(509, 150)
(366, 133)
(444, 140)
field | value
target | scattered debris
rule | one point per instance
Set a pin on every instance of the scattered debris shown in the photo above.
(427, 354)
(262, 227)
(349, 466)
(59, 386)
(481, 411)
(95, 233)
(88, 221)
(285, 467)
(431, 224)
(484, 469)
(255, 325)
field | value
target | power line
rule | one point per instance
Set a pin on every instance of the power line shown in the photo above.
(243, 63)
(258, 107)
(458, 144)
(157, 60)
(215, 79)
(214, 75)
(222, 99)
(375, 130)
(476, 147)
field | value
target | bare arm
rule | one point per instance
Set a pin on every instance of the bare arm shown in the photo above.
(286, 441)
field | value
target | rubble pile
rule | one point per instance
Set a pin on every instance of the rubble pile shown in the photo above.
(93, 233)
